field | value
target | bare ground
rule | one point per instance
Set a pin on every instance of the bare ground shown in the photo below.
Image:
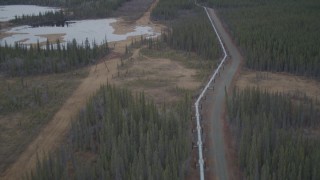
(156, 77)
(123, 26)
(53, 37)
(133, 9)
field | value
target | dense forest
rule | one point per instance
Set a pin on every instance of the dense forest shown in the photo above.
(77, 9)
(189, 28)
(278, 36)
(54, 58)
(126, 137)
(33, 2)
(194, 34)
(275, 134)
(92, 9)
(169, 9)
(42, 19)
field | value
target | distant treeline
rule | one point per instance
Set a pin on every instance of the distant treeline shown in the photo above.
(194, 34)
(42, 19)
(275, 134)
(169, 9)
(121, 136)
(189, 28)
(279, 36)
(33, 2)
(92, 9)
(77, 9)
(54, 58)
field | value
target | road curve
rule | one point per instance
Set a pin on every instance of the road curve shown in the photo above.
(214, 104)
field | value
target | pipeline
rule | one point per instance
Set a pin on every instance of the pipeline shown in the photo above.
(199, 143)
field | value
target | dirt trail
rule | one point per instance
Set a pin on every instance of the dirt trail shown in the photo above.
(215, 147)
(122, 26)
(54, 132)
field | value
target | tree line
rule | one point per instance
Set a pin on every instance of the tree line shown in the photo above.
(92, 9)
(278, 36)
(126, 136)
(189, 28)
(194, 34)
(76, 9)
(53, 58)
(169, 9)
(42, 19)
(274, 134)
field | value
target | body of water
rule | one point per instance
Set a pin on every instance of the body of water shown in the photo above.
(97, 30)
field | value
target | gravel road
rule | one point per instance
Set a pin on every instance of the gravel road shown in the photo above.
(214, 107)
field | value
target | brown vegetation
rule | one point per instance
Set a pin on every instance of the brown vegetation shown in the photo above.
(279, 82)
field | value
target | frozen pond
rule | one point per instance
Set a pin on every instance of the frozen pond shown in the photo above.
(9, 12)
(95, 30)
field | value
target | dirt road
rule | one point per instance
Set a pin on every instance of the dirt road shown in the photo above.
(214, 108)
(54, 132)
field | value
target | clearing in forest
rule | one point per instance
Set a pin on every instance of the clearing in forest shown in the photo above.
(161, 78)
(279, 82)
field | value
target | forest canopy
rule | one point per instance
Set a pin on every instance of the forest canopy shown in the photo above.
(274, 134)
(127, 136)
(277, 36)
(22, 60)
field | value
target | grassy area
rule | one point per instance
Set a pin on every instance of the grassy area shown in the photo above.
(189, 60)
(164, 77)
(150, 83)
(280, 82)
(26, 104)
